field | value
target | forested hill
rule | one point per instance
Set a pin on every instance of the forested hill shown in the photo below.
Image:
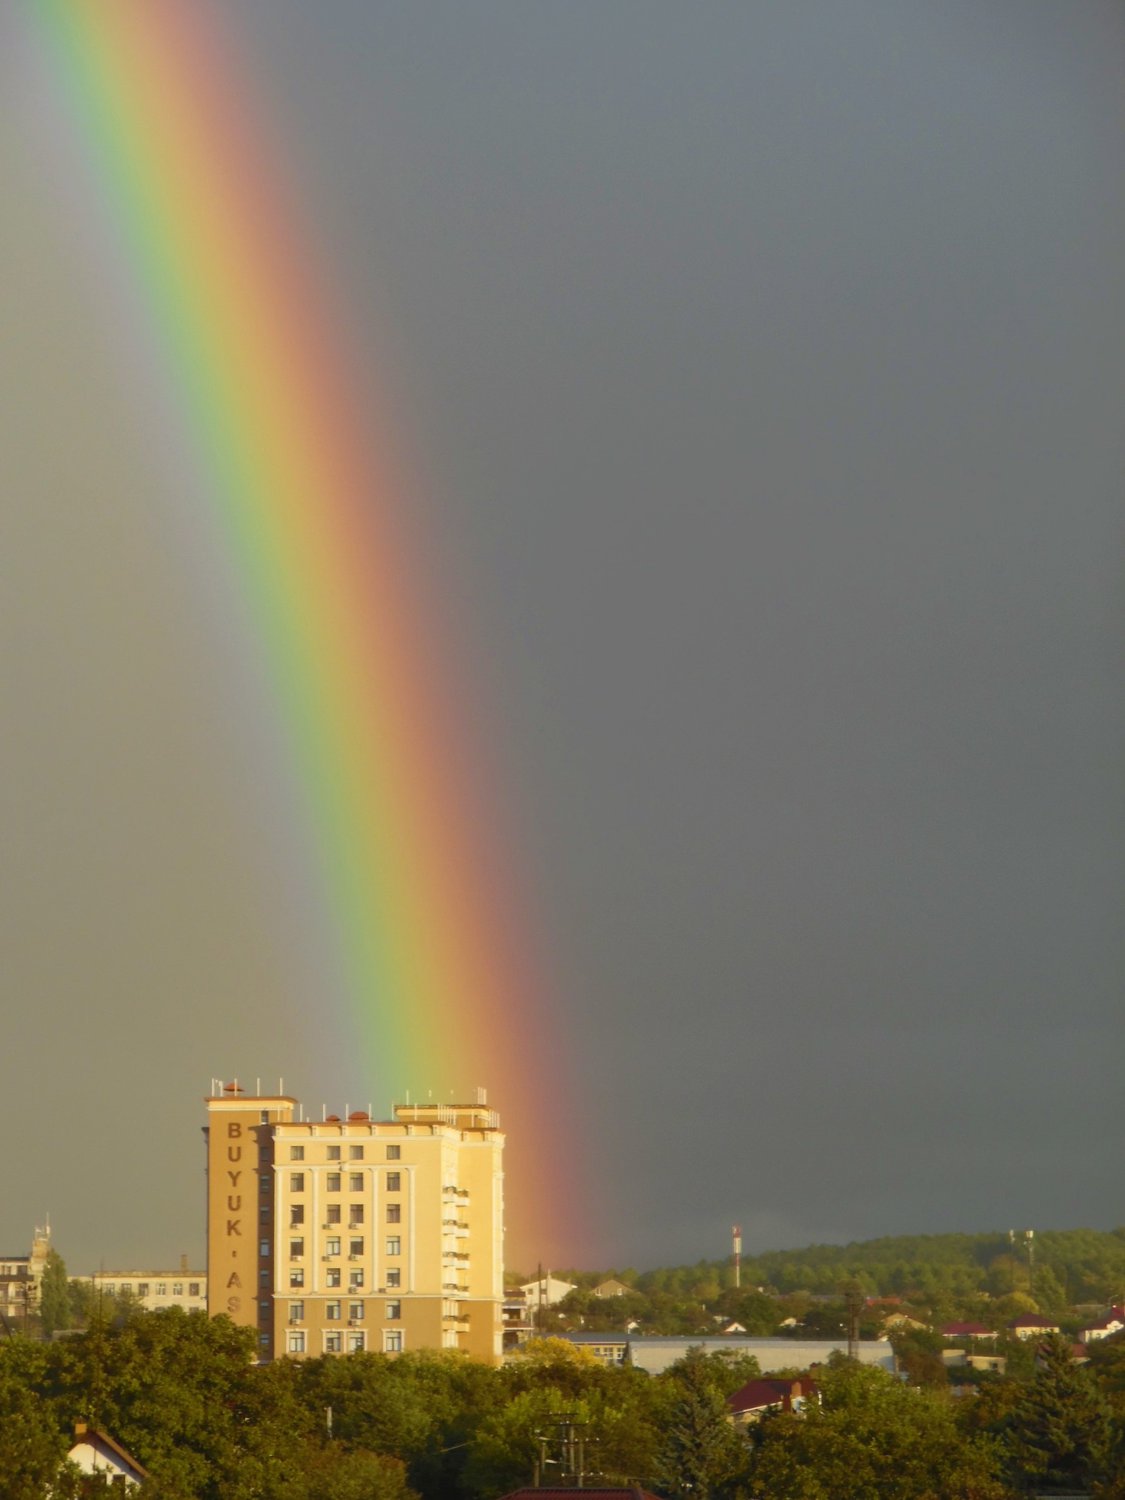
(1072, 1265)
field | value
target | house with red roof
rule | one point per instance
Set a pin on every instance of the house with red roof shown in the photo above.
(1032, 1326)
(966, 1331)
(757, 1397)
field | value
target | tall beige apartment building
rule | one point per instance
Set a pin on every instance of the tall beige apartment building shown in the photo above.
(336, 1235)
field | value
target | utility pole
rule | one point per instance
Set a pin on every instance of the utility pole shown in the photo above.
(564, 1450)
(736, 1246)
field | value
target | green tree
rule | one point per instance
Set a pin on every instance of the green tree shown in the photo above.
(1058, 1432)
(32, 1446)
(872, 1438)
(701, 1455)
(55, 1310)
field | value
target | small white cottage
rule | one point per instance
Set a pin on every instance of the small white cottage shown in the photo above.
(95, 1453)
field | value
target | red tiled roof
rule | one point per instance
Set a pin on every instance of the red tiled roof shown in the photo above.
(965, 1331)
(756, 1394)
(1032, 1320)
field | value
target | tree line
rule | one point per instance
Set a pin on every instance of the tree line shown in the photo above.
(181, 1393)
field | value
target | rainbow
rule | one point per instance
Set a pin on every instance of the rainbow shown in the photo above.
(439, 988)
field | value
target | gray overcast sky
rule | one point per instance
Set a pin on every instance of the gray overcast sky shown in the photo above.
(762, 365)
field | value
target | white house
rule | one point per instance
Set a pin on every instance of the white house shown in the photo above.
(546, 1292)
(95, 1453)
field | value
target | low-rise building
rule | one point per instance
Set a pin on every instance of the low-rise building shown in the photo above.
(966, 1331)
(153, 1290)
(1032, 1326)
(655, 1352)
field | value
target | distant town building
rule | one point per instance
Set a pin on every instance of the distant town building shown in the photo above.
(153, 1290)
(966, 1331)
(335, 1235)
(1032, 1326)
(655, 1352)
(21, 1277)
(1102, 1329)
(611, 1288)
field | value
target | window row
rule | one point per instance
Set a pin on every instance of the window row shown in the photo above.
(142, 1289)
(334, 1311)
(356, 1214)
(354, 1341)
(355, 1153)
(331, 1278)
(392, 1245)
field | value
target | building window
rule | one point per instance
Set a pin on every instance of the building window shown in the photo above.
(296, 1343)
(193, 1289)
(263, 1340)
(332, 1311)
(264, 1214)
(392, 1341)
(394, 1182)
(333, 1343)
(296, 1312)
(394, 1311)
(356, 1342)
(296, 1214)
(333, 1212)
(355, 1245)
(394, 1277)
(263, 1248)
(333, 1182)
(177, 1289)
(263, 1278)
(333, 1153)
(394, 1244)
(394, 1213)
(142, 1287)
(355, 1215)
(162, 1289)
(332, 1245)
(263, 1310)
(355, 1312)
(356, 1153)
(332, 1276)
(355, 1182)
(296, 1182)
(296, 1248)
(394, 1153)
(263, 1184)
(297, 1276)
(296, 1153)
(355, 1280)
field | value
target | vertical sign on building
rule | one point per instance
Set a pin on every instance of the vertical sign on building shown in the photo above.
(240, 1208)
